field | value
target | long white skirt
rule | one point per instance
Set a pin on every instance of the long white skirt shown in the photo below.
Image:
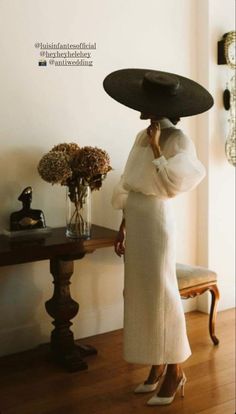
(154, 322)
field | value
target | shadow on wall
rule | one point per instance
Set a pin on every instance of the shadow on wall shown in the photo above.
(18, 169)
(103, 212)
(97, 285)
(19, 300)
(20, 296)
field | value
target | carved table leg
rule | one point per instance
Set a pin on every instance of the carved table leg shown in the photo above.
(63, 308)
(213, 312)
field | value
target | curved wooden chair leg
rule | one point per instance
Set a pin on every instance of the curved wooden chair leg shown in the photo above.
(213, 312)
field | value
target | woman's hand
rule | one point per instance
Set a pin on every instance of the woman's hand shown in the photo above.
(120, 240)
(154, 133)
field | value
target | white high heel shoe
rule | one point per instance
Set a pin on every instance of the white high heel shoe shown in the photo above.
(168, 400)
(142, 388)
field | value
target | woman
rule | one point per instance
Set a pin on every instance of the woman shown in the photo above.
(161, 165)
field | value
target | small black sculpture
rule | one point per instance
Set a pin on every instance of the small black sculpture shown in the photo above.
(27, 218)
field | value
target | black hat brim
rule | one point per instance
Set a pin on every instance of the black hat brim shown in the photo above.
(126, 86)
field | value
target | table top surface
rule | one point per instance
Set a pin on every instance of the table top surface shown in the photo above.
(53, 244)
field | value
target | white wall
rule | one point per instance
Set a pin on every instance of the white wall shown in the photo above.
(44, 106)
(216, 238)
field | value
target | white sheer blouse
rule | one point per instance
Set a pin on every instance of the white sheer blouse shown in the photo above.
(177, 170)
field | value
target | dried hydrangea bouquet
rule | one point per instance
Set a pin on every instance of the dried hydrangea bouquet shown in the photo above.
(81, 170)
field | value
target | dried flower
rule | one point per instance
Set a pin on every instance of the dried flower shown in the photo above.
(90, 162)
(70, 165)
(54, 167)
(69, 149)
(80, 169)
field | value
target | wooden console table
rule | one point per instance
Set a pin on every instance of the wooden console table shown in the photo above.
(61, 251)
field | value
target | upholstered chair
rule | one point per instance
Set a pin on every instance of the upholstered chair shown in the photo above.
(195, 280)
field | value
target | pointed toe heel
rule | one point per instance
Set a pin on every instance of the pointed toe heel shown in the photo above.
(155, 400)
(143, 388)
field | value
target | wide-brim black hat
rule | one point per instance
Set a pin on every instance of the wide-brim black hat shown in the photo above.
(158, 93)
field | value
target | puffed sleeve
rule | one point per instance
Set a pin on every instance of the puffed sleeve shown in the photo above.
(181, 172)
(119, 195)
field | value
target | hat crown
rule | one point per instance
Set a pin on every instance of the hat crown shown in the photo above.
(156, 82)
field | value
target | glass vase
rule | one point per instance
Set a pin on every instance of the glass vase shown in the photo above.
(78, 223)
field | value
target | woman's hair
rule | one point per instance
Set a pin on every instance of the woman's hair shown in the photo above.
(174, 120)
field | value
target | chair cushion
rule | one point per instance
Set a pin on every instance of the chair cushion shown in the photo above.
(190, 276)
